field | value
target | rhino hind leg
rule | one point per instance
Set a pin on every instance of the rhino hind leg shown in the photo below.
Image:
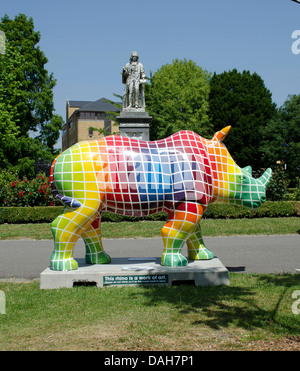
(95, 253)
(66, 230)
(177, 231)
(196, 247)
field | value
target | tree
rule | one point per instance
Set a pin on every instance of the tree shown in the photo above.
(26, 96)
(9, 103)
(177, 99)
(49, 133)
(242, 101)
(280, 138)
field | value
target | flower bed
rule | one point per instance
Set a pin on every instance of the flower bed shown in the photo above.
(24, 192)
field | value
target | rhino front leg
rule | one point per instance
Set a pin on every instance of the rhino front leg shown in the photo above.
(95, 253)
(196, 247)
(176, 232)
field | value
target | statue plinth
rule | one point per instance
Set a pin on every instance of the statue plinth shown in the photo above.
(134, 123)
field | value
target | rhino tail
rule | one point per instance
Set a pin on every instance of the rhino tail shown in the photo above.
(68, 201)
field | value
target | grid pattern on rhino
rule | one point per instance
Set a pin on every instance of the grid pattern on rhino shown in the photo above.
(226, 173)
(181, 174)
(233, 184)
(150, 176)
(133, 178)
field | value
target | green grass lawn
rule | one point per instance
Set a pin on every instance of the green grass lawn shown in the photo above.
(210, 227)
(253, 313)
(252, 310)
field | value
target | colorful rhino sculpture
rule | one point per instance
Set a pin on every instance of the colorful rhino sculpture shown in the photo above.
(181, 175)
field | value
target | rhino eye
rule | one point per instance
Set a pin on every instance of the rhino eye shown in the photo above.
(239, 178)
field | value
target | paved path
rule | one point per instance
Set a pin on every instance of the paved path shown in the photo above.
(250, 254)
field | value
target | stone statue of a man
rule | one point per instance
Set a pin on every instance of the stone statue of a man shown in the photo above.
(133, 76)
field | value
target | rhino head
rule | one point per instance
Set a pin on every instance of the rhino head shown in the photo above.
(233, 184)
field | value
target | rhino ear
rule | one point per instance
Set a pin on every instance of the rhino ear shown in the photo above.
(222, 134)
(248, 169)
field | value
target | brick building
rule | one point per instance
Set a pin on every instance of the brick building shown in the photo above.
(81, 115)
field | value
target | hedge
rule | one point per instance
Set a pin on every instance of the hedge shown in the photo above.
(270, 209)
(46, 214)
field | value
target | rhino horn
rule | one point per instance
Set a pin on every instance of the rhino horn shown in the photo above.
(222, 134)
(248, 169)
(266, 177)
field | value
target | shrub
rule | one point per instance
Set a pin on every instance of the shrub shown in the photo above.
(278, 187)
(294, 193)
(24, 192)
(23, 215)
(20, 215)
(270, 209)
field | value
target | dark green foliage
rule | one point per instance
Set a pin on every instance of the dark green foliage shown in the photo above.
(280, 138)
(242, 101)
(278, 187)
(46, 214)
(20, 215)
(269, 209)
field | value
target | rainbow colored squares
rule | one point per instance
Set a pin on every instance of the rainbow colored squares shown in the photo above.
(181, 175)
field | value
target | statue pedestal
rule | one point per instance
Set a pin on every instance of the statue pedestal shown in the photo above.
(134, 123)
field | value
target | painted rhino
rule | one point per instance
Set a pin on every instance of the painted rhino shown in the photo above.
(181, 175)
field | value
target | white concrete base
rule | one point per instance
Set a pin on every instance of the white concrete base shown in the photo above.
(137, 271)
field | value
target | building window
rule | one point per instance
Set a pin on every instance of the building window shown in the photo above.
(87, 115)
(70, 124)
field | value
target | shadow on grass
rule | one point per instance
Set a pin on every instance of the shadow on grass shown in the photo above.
(254, 306)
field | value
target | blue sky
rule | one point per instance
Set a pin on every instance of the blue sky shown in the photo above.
(88, 42)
